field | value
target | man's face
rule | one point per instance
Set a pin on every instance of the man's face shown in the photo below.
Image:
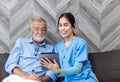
(38, 30)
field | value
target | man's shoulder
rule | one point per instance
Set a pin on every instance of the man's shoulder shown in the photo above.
(22, 40)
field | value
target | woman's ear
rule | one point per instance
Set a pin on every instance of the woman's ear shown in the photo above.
(73, 25)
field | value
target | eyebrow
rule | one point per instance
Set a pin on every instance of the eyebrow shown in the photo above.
(66, 23)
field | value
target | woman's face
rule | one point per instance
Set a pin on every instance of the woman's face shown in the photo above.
(65, 28)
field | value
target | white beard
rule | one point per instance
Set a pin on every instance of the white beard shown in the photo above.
(38, 37)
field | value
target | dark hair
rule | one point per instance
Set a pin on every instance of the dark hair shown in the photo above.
(69, 17)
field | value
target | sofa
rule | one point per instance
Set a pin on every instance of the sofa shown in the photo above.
(106, 65)
(3, 74)
(3, 58)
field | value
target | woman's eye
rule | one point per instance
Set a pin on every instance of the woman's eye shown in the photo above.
(65, 24)
(60, 25)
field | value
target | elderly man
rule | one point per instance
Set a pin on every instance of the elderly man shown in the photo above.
(23, 63)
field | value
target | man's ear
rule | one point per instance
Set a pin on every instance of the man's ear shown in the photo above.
(30, 30)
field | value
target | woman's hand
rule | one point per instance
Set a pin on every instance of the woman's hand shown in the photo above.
(50, 65)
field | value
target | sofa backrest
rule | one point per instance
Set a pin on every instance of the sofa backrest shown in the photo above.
(106, 65)
(3, 58)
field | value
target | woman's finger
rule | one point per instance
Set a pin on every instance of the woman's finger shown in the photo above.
(55, 62)
(48, 60)
(44, 61)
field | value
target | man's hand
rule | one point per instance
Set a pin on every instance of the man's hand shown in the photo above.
(32, 76)
(25, 75)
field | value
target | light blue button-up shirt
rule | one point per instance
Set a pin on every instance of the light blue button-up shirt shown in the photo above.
(22, 56)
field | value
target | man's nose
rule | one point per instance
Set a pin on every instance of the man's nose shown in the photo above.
(40, 31)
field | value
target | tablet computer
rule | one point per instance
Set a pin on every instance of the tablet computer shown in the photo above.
(51, 56)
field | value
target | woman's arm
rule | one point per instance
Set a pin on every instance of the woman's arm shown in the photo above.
(72, 70)
(62, 72)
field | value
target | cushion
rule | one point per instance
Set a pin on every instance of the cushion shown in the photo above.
(3, 58)
(106, 65)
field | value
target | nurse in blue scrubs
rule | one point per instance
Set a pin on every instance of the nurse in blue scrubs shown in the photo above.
(73, 54)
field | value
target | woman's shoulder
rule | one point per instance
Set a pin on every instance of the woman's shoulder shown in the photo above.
(80, 40)
(60, 43)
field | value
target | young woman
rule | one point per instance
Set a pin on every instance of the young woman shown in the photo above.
(73, 54)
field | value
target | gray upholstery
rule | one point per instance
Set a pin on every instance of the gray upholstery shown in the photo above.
(3, 74)
(106, 65)
(3, 58)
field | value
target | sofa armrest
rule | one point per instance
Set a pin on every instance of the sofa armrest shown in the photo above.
(106, 65)
(3, 58)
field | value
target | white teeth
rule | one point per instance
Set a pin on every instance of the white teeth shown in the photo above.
(39, 35)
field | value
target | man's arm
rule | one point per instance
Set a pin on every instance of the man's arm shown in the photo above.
(19, 72)
(33, 76)
(25, 75)
(46, 79)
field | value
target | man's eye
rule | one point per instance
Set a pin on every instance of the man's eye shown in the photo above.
(43, 30)
(36, 29)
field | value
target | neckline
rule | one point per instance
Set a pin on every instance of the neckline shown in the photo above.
(70, 43)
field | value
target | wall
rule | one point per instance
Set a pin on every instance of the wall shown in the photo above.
(98, 21)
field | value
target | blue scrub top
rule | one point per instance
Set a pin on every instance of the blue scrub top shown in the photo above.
(77, 51)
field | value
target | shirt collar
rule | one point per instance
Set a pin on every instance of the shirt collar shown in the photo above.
(32, 42)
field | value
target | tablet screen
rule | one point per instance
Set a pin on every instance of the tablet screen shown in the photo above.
(51, 56)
